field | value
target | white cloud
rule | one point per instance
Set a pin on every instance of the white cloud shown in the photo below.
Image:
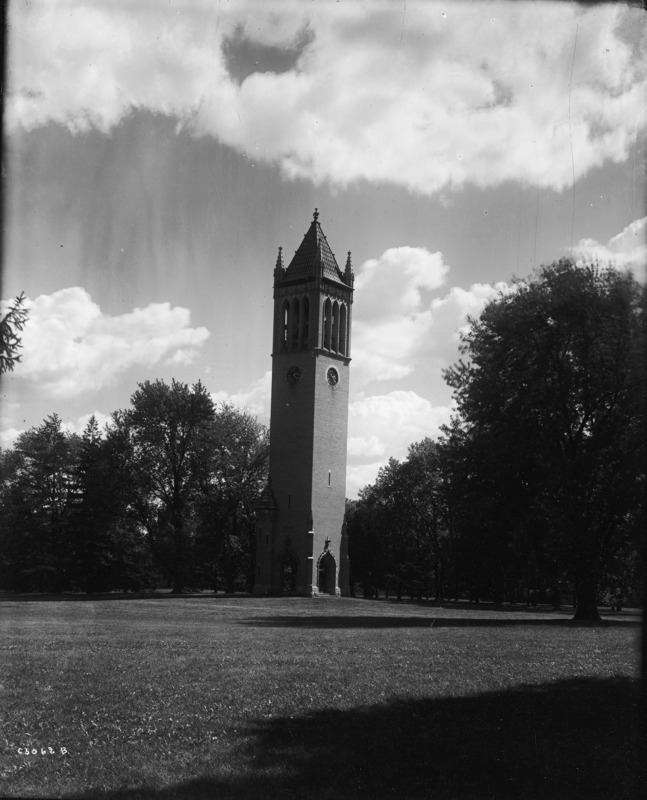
(79, 425)
(387, 314)
(383, 426)
(448, 315)
(394, 280)
(360, 475)
(9, 437)
(403, 327)
(626, 250)
(256, 399)
(426, 95)
(71, 346)
(399, 326)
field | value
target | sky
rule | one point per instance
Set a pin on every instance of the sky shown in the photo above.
(158, 152)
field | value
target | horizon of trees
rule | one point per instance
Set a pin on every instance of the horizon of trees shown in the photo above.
(163, 496)
(535, 489)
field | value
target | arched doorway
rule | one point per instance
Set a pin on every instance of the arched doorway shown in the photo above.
(327, 574)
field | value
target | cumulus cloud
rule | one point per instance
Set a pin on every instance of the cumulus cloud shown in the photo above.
(9, 437)
(79, 425)
(406, 323)
(626, 250)
(428, 95)
(396, 279)
(449, 314)
(71, 346)
(400, 324)
(383, 426)
(387, 316)
(255, 399)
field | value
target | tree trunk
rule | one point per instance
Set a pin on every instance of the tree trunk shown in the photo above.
(178, 563)
(586, 607)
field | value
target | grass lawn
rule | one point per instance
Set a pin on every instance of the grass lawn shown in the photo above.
(223, 697)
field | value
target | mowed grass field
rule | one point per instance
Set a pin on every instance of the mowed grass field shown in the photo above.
(237, 697)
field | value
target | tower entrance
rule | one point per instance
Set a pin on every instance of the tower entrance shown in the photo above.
(326, 570)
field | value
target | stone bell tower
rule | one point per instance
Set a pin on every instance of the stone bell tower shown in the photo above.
(301, 543)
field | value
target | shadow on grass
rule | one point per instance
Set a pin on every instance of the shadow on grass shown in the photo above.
(572, 739)
(78, 597)
(356, 621)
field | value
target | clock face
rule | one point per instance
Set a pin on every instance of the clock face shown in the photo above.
(293, 375)
(332, 376)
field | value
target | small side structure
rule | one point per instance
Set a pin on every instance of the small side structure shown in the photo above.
(301, 540)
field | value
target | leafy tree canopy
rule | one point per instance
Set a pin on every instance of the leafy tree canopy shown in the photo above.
(551, 395)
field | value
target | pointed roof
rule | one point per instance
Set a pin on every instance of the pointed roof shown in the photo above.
(314, 256)
(266, 498)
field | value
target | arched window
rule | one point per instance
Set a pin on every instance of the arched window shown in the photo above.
(294, 323)
(335, 326)
(327, 315)
(343, 322)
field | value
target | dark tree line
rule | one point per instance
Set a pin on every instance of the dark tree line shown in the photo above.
(163, 496)
(536, 488)
(538, 484)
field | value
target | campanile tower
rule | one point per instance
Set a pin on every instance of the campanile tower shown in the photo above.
(301, 544)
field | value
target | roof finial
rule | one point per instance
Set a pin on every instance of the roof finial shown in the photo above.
(349, 277)
(279, 268)
(315, 216)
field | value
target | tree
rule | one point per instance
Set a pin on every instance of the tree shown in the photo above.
(490, 545)
(397, 527)
(11, 324)
(169, 432)
(35, 503)
(239, 455)
(422, 487)
(554, 387)
(107, 546)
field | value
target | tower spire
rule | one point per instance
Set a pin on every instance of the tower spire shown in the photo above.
(349, 275)
(279, 269)
(313, 258)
